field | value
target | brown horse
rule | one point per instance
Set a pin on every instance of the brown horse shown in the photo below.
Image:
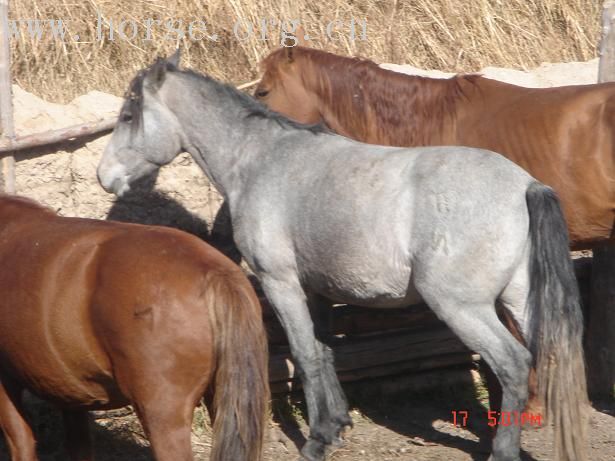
(97, 315)
(564, 137)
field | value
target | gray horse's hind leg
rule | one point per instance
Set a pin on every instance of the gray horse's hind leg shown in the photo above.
(479, 328)
(327, 408)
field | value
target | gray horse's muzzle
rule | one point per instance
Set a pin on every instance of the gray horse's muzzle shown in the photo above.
(113, 180)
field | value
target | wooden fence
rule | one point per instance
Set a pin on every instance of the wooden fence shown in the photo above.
(376, 343)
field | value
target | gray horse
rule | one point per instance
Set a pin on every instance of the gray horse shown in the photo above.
(321, 218)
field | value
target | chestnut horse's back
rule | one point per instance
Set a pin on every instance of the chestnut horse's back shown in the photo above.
(98, 314)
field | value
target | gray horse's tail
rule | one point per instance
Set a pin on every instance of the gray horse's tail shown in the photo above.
(241, 383)
(555, 325)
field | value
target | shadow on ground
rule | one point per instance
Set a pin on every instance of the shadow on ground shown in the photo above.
(109, 445)
(410, 414)
(143, 204)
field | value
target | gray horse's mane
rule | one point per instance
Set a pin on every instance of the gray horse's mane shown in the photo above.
(133, 105)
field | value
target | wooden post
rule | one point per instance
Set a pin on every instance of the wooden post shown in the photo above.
(600, 335)
(6, 98)
(606, 66)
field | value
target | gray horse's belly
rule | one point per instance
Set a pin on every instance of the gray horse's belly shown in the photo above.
(363, 284)
(386, 300)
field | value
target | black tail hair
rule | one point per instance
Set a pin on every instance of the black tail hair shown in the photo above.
(555, 324)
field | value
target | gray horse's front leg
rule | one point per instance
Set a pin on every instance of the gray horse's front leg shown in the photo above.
(321, 312)
(327, 408)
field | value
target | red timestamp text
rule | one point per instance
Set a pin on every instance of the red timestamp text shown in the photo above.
(500, 418)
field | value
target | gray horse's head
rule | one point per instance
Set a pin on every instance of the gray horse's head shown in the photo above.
(147, 134)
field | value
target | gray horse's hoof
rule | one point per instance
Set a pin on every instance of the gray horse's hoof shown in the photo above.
(516, 458)
(313, 450)
(316, 450)
(345, 430)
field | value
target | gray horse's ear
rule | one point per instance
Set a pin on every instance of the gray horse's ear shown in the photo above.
(156, 75)
(174, 58)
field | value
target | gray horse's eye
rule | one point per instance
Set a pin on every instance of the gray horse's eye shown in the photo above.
(126, 117)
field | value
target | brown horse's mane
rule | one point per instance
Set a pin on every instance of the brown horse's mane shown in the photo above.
(366, 98)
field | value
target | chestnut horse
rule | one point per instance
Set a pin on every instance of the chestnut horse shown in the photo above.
(96, 315)
(564, 137)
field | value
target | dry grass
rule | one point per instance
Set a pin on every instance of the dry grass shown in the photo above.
(445, 34)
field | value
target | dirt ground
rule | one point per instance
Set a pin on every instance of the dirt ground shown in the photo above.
(409, 426)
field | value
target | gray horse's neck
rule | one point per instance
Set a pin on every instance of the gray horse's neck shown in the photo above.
(218, 134)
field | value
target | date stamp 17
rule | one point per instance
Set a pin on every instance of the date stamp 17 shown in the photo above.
(500, 418)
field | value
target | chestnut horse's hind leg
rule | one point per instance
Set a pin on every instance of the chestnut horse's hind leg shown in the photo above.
(16, 429)
(164, 401)
(78, 442)
(167, 421)
(533, 404)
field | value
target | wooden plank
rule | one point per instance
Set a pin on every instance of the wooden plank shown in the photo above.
(413, 369)
(6, 102)
(450, 378)
(352, 321)
(363, 357)
(59, 135)
(247, 85)
(600, 334)
(442, 378)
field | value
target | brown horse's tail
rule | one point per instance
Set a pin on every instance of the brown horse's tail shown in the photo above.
(555, 325)
(241, 385)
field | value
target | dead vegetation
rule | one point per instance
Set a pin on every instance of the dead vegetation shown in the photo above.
(444, 34)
